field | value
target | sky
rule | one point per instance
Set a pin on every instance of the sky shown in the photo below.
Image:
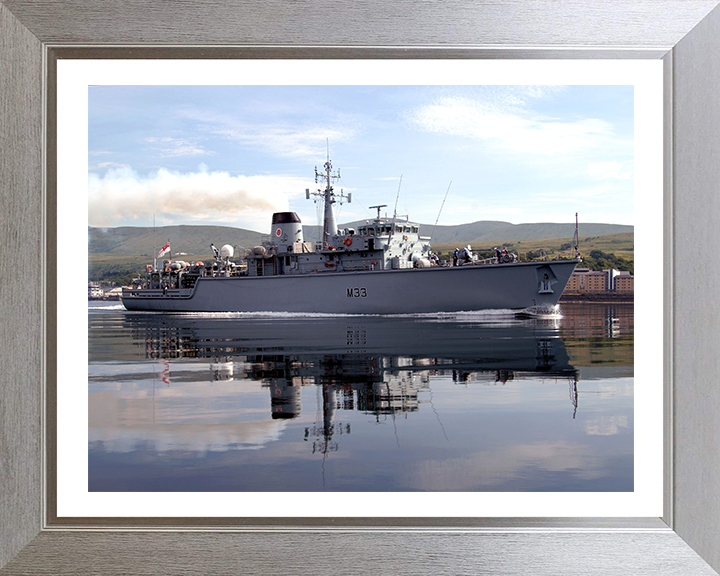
(233, 155)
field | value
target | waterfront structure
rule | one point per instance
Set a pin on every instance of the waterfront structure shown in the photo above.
(584, 280)
(97, 292)
(94, 291)
(624, 282)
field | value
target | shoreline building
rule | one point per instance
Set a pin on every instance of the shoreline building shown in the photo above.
(624, 282)
(584, 280)
(94, 291)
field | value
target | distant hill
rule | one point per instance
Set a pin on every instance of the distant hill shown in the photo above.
(497, 231)
(492, 231)
(196, 240)
(139, 241)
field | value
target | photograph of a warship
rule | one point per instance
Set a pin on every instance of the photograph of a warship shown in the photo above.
(385, 266)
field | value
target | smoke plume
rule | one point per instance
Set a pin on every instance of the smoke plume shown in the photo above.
(123, 197)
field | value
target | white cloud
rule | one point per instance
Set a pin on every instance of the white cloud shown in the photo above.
(309, 142)
(605, 425)
(493, 468)
(123, 422)
(122, 195)
(103, 165)
(601, 194)
(279, 139)
(509, 125)
(168, 147)
(608, 170)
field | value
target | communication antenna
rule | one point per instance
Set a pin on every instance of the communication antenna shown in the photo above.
(441, 207)
(397, 198)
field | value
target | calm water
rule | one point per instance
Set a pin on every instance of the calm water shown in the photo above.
(466, 402)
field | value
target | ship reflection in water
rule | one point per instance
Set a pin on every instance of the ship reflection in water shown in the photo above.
(467, 402)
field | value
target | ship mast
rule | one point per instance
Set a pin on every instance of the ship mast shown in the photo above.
(329, 197)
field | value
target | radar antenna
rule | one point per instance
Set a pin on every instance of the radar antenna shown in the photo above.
(378, 209)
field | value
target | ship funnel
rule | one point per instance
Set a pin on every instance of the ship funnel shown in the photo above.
(285, 399)
(286, 228)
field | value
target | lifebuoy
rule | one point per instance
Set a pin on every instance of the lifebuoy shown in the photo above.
(347, 241)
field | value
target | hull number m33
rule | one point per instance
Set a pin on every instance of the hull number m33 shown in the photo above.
(356, 293)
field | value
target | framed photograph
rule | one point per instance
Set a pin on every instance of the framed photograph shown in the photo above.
(304, 382)
(60, 512)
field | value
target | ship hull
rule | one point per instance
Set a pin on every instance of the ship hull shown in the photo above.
(513, 286)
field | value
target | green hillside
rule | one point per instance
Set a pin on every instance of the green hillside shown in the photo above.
(191, 240)
(598, 252)
(490, 232)
(620, 244)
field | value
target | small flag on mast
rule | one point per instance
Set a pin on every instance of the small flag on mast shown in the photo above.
(164, 250)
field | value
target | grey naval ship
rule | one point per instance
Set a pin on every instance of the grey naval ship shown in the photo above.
(385, 266)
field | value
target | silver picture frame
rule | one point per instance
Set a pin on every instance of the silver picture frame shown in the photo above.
(684, 34)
